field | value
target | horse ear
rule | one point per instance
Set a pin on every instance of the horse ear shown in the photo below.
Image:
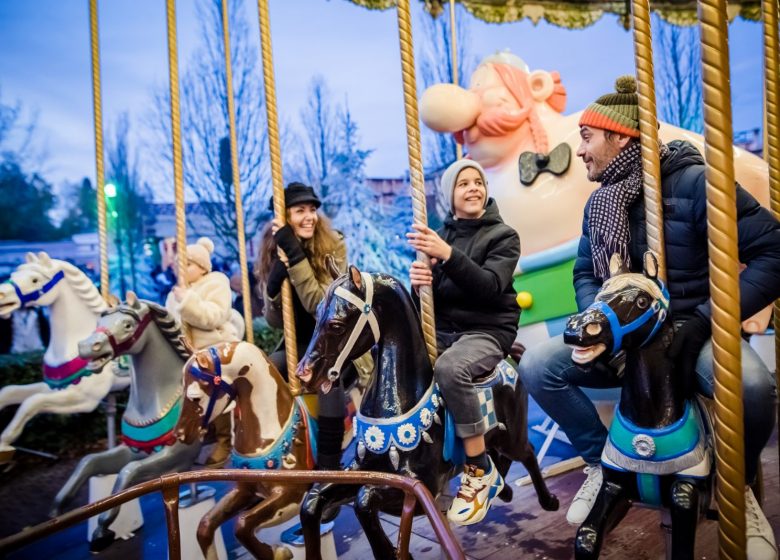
(44, 259)
(355, 278)
(30, 258)
(616, 265)
(330, 265)
(651, 265)
(132, 299)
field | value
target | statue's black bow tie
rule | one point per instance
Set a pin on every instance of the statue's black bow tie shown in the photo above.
(532, 163)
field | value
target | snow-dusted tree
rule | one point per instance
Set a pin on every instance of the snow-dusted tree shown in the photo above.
(319, 120)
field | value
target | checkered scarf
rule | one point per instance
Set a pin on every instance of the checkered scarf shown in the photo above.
(621, 184)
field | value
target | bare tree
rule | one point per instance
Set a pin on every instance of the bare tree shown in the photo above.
(205, 125)
(319, 123)
(678, 80)
(16, 137)
(435, 61)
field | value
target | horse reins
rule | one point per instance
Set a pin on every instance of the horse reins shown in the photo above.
(619, 331)
(32, 296)
(367, 316)
(215, 380)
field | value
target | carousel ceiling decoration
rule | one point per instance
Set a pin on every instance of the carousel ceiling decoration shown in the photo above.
(573, 14)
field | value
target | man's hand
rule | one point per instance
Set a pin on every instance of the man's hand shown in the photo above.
(687, 344)
(420, 275)
(428, 241)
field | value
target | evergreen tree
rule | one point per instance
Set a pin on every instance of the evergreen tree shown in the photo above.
(25, 203)
(82, 211)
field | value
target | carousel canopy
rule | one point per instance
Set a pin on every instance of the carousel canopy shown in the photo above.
(574, 14)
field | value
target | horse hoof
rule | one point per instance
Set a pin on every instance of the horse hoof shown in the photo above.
(6, 455)
(551, 504)
(101, 540)
(506, 494)
(282, 553)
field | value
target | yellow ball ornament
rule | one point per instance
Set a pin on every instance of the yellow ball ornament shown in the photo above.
(525, 300)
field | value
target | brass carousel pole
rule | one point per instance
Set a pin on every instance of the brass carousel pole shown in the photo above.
(724, 279)
(769, 11)
(454, 59)
(415, 164)
(97, 111)
(648, 130)
(250, 335)
(178, 180)
(274, 146)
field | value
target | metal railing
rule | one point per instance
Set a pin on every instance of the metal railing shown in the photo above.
(414, 492)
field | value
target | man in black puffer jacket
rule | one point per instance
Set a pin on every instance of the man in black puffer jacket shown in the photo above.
(474, 257)
(614, 222)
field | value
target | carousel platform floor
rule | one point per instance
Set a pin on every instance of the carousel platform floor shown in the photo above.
(520, 529)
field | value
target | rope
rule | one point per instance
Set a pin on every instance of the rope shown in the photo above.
(250, 335)
(724, 279)
(769, 10)
(178, 180)
(97, 111)
(648, 129)
(274, 146)
(415, 164)
(454, 57)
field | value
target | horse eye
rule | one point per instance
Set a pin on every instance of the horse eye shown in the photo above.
(34, 280)
(336, 328)
(128, 325)
(642, 302)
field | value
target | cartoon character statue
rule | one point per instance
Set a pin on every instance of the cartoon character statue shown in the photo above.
(511, 120)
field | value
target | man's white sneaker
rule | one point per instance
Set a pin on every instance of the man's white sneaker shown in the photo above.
(477, 490)
(760, 537)
(586, 496)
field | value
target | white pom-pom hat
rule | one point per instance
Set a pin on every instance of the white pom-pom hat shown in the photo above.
(200, 253)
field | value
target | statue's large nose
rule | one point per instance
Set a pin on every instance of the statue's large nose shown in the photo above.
(449, 108)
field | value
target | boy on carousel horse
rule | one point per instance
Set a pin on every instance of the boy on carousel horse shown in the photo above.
(473, 258)
(614, 222)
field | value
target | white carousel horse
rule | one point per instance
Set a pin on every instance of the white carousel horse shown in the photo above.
(74, 307)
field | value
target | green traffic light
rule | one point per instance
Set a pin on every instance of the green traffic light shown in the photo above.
(110, 190)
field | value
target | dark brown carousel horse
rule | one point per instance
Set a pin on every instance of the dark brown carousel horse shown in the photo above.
(658, 452)
(400, 425)
(271, 430)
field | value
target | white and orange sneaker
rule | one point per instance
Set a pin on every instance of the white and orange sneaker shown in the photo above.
(477, 491)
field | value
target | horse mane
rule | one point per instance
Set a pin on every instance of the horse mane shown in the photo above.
(80, 283)
(170, 328)
(622, 281)
(166, 324)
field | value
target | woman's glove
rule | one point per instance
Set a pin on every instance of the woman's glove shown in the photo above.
(275, 278)
(285, 238)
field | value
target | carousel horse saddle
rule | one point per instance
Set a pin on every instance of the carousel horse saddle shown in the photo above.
(503, 374)
(681, 447)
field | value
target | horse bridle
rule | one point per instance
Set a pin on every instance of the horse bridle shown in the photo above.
(124, 345)
(619, 331)
(367, 316)
(215, 380)
(32, 296)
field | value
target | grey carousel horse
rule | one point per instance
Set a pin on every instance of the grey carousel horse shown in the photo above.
(152, 337)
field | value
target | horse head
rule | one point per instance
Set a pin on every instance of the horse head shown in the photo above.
(209, 379)
(347, 327)
(36, 282)
(629, 310)
(121, 330)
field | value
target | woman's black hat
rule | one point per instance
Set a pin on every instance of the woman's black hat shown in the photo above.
(298, 193)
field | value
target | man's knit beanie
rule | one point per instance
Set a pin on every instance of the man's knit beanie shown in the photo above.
(618, 112)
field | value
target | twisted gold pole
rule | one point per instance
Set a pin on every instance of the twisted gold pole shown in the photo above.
(454, 56)
(250, 335)
(648, 130)
(415, 164)
(178, 180)
(97, 111)
(724, 279)
(274, 146)
(769, 10)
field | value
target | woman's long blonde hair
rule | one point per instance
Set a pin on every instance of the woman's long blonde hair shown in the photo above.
(324, 242)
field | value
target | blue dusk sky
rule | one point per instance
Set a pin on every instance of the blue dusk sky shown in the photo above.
(45, 65)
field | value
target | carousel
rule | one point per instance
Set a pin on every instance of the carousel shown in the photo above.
(687, 484)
